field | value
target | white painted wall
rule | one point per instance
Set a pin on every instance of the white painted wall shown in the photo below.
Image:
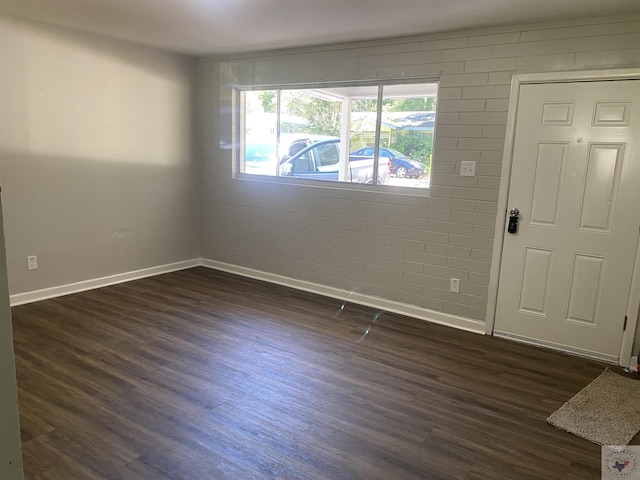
(10, 453)
(96, 161)
(398, 247)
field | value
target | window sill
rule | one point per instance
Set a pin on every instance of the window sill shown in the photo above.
(333, 185)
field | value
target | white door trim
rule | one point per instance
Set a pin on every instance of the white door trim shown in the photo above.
(517, 80)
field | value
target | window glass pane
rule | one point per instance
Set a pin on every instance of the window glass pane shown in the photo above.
(329, 133)
(364, 112)
(260, 133)
(320, 123)
(408, 120)
(335, 123)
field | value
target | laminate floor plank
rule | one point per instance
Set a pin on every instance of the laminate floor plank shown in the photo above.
(203, 375)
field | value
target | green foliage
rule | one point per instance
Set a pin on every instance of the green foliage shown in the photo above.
(268, 100)
(323, 116)
(415, 146)
(410, 104)
(364, 105)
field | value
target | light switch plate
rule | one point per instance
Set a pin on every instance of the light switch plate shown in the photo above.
(468, 169)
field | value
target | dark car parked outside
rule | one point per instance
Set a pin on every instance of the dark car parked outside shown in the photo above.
(400, 165)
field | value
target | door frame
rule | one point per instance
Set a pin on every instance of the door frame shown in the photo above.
(633, 305)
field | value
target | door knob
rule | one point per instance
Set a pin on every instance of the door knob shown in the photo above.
(514, 215)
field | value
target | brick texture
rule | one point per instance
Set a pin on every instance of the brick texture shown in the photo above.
(402, 247)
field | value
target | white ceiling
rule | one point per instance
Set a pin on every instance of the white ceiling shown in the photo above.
(203, 27)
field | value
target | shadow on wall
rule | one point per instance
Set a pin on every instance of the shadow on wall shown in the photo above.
(96, 157)
(86, 219)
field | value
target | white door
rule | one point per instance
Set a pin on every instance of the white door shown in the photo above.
(565, 275)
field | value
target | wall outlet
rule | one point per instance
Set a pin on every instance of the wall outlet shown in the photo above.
(468, 169)
(454, 285)
(32, 262)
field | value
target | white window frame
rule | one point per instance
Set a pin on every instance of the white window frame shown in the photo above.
(239, 129)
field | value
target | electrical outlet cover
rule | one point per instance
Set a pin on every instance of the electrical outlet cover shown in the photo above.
(32, 262)
(468, 169)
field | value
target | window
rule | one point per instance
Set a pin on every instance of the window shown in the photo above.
(377, 134)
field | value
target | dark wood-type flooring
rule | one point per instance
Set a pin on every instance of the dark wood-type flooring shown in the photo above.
(204, 375)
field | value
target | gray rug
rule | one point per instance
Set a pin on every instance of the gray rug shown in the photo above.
(606, 412)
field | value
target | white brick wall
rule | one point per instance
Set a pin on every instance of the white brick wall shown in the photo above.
(399, 247)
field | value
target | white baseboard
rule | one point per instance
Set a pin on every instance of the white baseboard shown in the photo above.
(456, 321)
(45, 293)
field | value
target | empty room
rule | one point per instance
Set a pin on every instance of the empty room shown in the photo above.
(253, 240)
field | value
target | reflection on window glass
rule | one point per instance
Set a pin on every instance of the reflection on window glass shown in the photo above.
(330, 134)
(260, 132)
